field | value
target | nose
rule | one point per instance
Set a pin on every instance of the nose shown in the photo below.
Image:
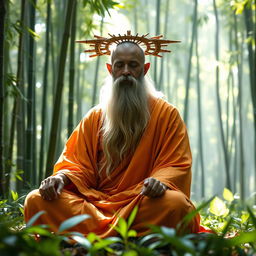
(126, 70)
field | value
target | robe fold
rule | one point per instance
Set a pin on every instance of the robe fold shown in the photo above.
(163, 153)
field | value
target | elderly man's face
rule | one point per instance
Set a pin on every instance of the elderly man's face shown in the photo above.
(128, 59)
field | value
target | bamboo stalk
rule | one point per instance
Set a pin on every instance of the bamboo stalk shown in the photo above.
(59, 89)
(223, 144)
(2, 92)
(72, 74)
(45, 89)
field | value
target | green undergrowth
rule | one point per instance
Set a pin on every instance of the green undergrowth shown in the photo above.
(232, 222)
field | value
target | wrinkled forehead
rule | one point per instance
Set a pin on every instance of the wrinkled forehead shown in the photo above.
(127, 51)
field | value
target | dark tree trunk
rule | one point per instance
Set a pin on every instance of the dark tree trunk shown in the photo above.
(59, 89)
(45, 88)
(78, 82)
(2, 33)
(72, 73)
(30, 171)
(18, 101)
(251, 32)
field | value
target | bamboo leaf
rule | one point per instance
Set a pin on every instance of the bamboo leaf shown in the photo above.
(132, 216)
(15, 195)
(33, 33)
(69, 223)
(122, 227)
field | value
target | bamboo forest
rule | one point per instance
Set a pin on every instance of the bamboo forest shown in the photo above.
(48, 83)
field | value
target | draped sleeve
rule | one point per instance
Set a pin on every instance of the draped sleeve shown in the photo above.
(173, 160)
(78, 160)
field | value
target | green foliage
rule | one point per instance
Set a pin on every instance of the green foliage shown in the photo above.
(67, 224)
(100, 6)
(227, 215)
(235, 233)
(12, 210)
(239, 5)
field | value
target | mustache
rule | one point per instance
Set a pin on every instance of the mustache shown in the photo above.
(126, 79)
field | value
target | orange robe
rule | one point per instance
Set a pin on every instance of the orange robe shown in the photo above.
(163, 153)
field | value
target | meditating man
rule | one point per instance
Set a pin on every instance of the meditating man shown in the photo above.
(132, 149)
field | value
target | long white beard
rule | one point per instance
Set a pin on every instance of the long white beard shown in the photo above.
(126, 114)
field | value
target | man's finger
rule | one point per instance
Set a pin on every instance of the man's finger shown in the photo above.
(60, 188)
(52, 191)
(156, 188)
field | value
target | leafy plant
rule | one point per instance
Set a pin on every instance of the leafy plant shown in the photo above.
(233, 222)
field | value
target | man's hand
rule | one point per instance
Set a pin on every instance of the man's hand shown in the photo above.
(153, 188)
(52, 186)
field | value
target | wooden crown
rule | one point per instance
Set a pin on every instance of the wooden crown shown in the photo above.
(153, 45)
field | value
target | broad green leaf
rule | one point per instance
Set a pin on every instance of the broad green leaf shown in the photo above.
(168, 231)
(15, 195)
(69, 223)
(34, 218)
(245, 216)
(92, 237)
(122, 227)
(228, 195)
(83, 241)
(218, 207)
(132, 233)
(246, 237)
(132, 216)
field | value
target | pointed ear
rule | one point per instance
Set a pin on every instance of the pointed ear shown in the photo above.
(146, 68)
(109, 67)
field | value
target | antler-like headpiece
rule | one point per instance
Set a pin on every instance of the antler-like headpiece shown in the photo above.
(153, 44)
